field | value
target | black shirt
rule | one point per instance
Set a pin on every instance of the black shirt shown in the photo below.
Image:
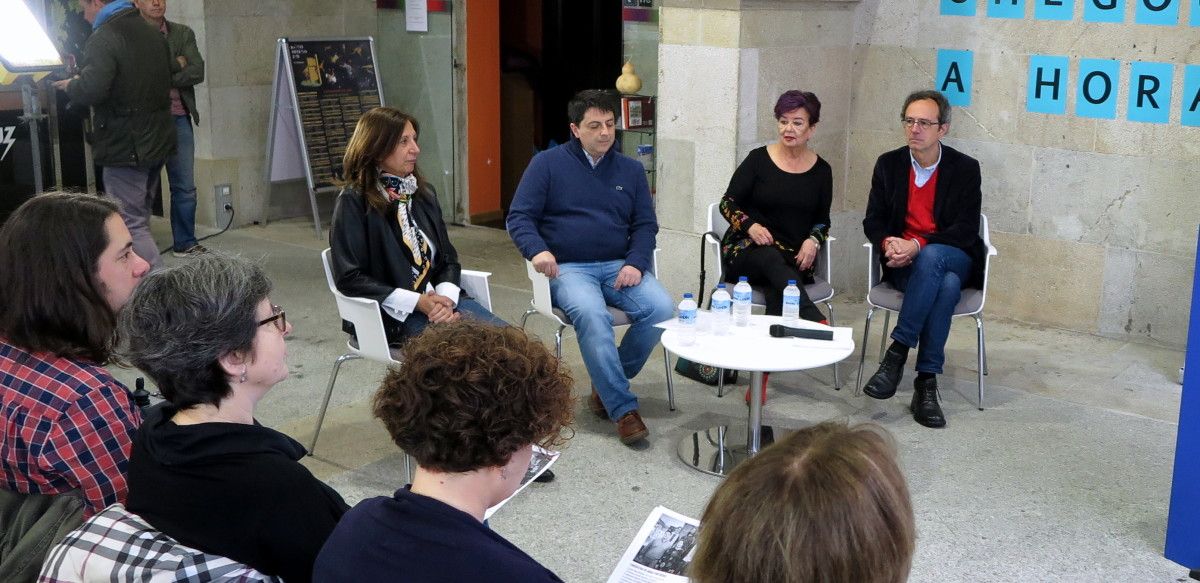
(234, 490)
(788, 204)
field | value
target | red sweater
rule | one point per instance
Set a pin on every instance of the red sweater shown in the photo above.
(919, 222)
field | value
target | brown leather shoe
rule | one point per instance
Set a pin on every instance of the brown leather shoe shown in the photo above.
(597, 406)
(631, 429)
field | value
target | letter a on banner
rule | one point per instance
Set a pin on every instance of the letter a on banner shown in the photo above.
(954, 75)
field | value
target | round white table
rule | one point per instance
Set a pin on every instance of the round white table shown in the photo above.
(750, 348)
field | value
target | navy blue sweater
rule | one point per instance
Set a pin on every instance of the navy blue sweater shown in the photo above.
(584, 214)
(417, 539)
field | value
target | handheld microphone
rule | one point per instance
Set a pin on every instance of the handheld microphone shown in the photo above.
(781, 331)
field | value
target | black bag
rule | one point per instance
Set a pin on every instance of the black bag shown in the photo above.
(703, 372)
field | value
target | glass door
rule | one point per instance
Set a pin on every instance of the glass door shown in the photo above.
(418, 76)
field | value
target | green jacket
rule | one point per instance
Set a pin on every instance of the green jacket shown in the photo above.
(182, 42)
(126, 79)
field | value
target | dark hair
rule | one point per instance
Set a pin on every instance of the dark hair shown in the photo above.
(376, 135)
(796, 99)
(828, 503)
(940, 100)
(182, 320)
(470, 394)
(51, 298)
(602, 99)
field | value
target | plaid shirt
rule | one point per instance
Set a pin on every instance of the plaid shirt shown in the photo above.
(117, 545)
(64, 425)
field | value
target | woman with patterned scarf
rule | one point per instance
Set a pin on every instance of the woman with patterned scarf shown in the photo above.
(388, 240)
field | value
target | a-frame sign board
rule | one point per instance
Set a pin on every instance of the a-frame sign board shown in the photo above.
(321, 88)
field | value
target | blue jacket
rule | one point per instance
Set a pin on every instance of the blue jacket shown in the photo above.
(584, 214)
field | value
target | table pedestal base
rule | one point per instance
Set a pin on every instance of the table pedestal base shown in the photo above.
(719, 449)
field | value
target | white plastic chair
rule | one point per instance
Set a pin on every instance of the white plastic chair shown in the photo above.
(882, 296)
(818, 291)
(371, 340)
(542, 304)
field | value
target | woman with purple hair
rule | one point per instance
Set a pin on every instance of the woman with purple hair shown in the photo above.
(777, 205)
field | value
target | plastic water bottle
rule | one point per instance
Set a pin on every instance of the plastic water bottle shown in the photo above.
(742, 295)
(791, 304)
(687, 320)
(721, 310)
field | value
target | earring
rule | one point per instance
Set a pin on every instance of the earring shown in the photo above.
(243, 378)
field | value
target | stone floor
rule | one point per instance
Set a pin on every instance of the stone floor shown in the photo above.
(1065, 476)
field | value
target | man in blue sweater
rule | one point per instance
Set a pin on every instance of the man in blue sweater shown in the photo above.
(583, 216)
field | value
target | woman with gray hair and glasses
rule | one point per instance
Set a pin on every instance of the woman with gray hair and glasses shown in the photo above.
(202, 469)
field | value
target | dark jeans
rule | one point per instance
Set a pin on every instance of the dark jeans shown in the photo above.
(932, 285)
(181, 177)
(769, 269)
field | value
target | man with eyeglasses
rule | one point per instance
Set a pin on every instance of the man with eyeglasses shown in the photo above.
(923, 216)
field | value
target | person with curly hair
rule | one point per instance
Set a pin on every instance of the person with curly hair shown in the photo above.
(468, 405)
(827, 504)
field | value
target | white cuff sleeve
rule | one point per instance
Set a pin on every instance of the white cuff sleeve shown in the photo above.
(449, 290)
(400, 303)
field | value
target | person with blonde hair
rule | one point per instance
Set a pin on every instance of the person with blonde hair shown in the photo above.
(826, 504)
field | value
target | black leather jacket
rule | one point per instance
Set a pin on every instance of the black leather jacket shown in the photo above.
(369, 259)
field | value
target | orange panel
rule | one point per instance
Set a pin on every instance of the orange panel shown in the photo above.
(483, 106)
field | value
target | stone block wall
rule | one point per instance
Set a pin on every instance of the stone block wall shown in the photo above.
(1095, 219)
(237, 40)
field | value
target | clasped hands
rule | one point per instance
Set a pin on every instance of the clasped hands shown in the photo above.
(545, 264)
(804, 257)
(900, 252)
(437, 308)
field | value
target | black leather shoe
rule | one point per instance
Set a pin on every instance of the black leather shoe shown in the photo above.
(882, 384)
(925, 408)
(545, 477)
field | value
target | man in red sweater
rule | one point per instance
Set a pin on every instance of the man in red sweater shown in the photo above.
(923, 216)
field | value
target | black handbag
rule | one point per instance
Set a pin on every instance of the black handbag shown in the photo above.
(703, 372)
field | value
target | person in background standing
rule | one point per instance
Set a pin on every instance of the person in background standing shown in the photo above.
(181, 166)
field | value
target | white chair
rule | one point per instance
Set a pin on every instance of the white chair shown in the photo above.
(541, 304)
(882, 296)
(818, 291)
(371, 340)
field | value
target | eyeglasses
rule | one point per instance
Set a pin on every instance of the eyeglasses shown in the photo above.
(278, 316)
(923, 123)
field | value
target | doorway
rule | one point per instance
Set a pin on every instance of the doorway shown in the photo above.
(548, 50)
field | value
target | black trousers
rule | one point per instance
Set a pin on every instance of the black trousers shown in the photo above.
(769, 269)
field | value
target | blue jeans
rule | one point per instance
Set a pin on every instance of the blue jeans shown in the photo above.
(182, 178)
(416, 322)
(932, 285)
(583, 290)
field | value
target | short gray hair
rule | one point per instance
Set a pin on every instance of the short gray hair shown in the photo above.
(181, 320)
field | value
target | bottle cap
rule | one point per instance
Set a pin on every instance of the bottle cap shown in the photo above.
(791, 282)
(743, 278)
(721, 285)
(687, 295)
